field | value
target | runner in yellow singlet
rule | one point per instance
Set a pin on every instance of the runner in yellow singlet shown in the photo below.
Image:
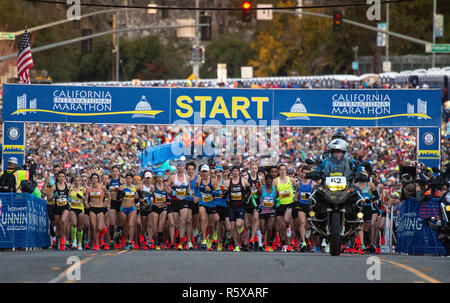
(284, 210)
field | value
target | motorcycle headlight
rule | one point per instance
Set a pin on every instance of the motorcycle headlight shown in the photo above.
(360, 215)
(447, 207)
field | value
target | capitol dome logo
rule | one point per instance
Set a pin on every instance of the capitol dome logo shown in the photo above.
(298, 107)
(143, 105)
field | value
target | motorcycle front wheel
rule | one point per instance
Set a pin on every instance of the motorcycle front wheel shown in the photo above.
(335, 237)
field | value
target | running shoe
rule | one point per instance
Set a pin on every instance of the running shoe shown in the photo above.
(377, 250)
(295, 243)
(215, 236)
(289, 248)
(318, 249)
(204, 244)
(74, 245)
(102, 243)
(158, 248)
(209, 245)
(324, 243)
(135, 246)
(215, 244)
(128, 245)
(190, 246)
(219, 247)
(106, 247)
(284, 248)
(62, 244)
(145, 247)
(303, 247)
(240, 230)
(230, 247)
(96, 246)
(327, 248)
(86, 246)
(260, 247)
(80, 247)
(237, 249)
(54, 245)
(267, 248)
(251, 244)
(180, 246)
(172, 245)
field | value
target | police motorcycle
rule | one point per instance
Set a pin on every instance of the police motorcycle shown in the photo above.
(335, 203)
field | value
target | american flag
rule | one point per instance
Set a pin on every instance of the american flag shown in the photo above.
(24, 60)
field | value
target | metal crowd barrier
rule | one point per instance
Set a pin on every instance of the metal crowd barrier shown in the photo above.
(23, 222)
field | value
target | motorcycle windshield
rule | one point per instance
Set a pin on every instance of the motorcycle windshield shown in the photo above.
(334, 167)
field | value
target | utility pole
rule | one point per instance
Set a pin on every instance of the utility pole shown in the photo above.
(196, 65)
(433, 56)
(114, 43)
(117, 52)
(387, 29)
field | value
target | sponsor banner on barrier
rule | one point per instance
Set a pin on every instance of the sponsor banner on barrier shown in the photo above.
(428, 146)
(413, 235)
(23, 221)
(195, 106)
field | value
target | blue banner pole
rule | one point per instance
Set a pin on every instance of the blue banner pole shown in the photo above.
(429, 146)
(13, 142)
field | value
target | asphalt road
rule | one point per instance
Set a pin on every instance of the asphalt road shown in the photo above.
(217, 267)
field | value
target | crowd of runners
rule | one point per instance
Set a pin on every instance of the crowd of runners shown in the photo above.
(211, 207)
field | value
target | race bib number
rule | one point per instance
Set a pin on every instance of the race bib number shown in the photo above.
(76, 203)
(181, 192)
(160, 199)
(61, 202)
(129, 195)
(207, 198)
(95, 195)
(236, 196)
(336, 183)
(267, 203)
(304, 196)
(285, 194)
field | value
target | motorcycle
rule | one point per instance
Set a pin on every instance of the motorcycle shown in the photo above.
(336, 209)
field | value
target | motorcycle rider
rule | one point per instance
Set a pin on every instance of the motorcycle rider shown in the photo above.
(337, 159)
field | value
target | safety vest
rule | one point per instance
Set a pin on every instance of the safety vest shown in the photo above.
(21, 175)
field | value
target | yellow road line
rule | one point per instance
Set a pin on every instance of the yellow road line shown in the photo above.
(413, 271)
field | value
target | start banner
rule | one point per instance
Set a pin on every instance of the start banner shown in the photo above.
(202, 106)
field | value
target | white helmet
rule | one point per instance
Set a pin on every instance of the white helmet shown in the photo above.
(338, 144)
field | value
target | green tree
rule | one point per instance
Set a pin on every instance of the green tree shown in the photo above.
(232, 50)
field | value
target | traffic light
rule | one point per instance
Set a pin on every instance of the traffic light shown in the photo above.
(198, 54)
(337, 21)
(86, 45)
(246, 12)
(205, 31)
